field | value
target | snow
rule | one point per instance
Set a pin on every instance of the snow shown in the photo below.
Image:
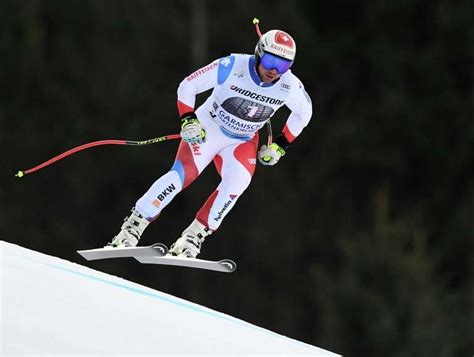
(50, 306)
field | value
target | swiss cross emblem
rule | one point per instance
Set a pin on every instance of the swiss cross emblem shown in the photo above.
(282, 38)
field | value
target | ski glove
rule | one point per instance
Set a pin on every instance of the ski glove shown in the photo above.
(191, 130)
(269, 155)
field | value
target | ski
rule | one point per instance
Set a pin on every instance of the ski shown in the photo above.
(155, 250)
(225, 265)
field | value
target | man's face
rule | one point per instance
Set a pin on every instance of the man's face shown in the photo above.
(267, 76)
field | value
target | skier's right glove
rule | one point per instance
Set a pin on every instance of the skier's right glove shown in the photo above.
(191, 130)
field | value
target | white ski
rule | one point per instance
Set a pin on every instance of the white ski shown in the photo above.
(155, 250)
(225, 265)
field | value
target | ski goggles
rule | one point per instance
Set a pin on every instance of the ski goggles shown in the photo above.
(270, 61)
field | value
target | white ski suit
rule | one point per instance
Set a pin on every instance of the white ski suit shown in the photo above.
(239, 105)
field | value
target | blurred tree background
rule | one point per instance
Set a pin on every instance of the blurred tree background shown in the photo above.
(359, 241)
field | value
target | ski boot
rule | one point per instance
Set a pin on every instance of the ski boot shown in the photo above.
(189, 244)
(130, 232)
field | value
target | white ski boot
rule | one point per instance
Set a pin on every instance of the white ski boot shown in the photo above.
(189, 244)
(130, 232)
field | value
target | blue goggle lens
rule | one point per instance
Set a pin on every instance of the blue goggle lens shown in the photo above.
(270, 61)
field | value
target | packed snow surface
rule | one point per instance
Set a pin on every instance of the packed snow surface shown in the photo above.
(50, 306)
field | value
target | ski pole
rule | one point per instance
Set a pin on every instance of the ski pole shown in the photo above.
(270, 135)
(97, 143)
(256, 22)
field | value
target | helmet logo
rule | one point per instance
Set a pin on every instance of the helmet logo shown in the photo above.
(284, 39)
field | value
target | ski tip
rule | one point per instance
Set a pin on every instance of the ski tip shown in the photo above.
(229, 265)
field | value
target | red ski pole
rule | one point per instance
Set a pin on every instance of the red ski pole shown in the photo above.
(96, 143)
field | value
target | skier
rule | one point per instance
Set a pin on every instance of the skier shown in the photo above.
(247, 90)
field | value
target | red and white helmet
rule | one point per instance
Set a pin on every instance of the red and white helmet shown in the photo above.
(276, 42)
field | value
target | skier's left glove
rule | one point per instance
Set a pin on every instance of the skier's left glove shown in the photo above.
(191, 130)
(270, 155)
